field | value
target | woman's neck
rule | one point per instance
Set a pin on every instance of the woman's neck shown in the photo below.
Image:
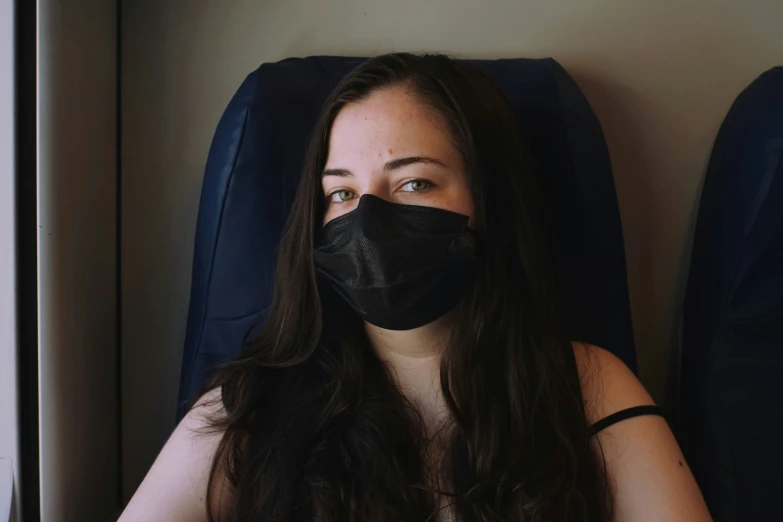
(413, 356)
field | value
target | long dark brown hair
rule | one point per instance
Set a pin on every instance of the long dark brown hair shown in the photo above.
(313, 426)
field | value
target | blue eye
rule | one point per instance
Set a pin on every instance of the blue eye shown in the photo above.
(341, 196)
(416, 185)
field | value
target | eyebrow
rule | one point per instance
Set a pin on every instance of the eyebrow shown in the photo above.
(389, 166)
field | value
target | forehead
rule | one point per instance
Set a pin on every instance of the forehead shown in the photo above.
(390, 122)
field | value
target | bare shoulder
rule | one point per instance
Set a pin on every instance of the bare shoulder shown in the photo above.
(175, 488)
(608, 386)
(649, 476)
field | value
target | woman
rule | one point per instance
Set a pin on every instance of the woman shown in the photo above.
(413, 365)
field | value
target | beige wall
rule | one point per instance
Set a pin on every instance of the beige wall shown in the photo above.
(660, 74)
(76, 132)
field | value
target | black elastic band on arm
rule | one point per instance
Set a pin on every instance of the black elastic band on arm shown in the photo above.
(622, 415)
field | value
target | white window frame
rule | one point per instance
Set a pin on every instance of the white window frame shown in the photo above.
(9, 393)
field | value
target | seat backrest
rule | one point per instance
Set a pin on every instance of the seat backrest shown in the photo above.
(253, 170)
(730, 419)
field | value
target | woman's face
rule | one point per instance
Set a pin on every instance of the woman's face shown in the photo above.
(394, 147)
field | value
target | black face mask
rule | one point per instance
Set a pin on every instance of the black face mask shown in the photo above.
(399, 266)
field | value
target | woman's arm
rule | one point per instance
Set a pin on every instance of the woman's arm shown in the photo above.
(650, 479)
(175, 488)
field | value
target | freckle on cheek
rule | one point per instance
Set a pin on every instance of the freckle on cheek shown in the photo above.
(390, 151)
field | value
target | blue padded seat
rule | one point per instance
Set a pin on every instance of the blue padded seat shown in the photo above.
(730, 418)
(253, 170)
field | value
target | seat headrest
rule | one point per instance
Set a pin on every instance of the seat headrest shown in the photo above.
(253, 170)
